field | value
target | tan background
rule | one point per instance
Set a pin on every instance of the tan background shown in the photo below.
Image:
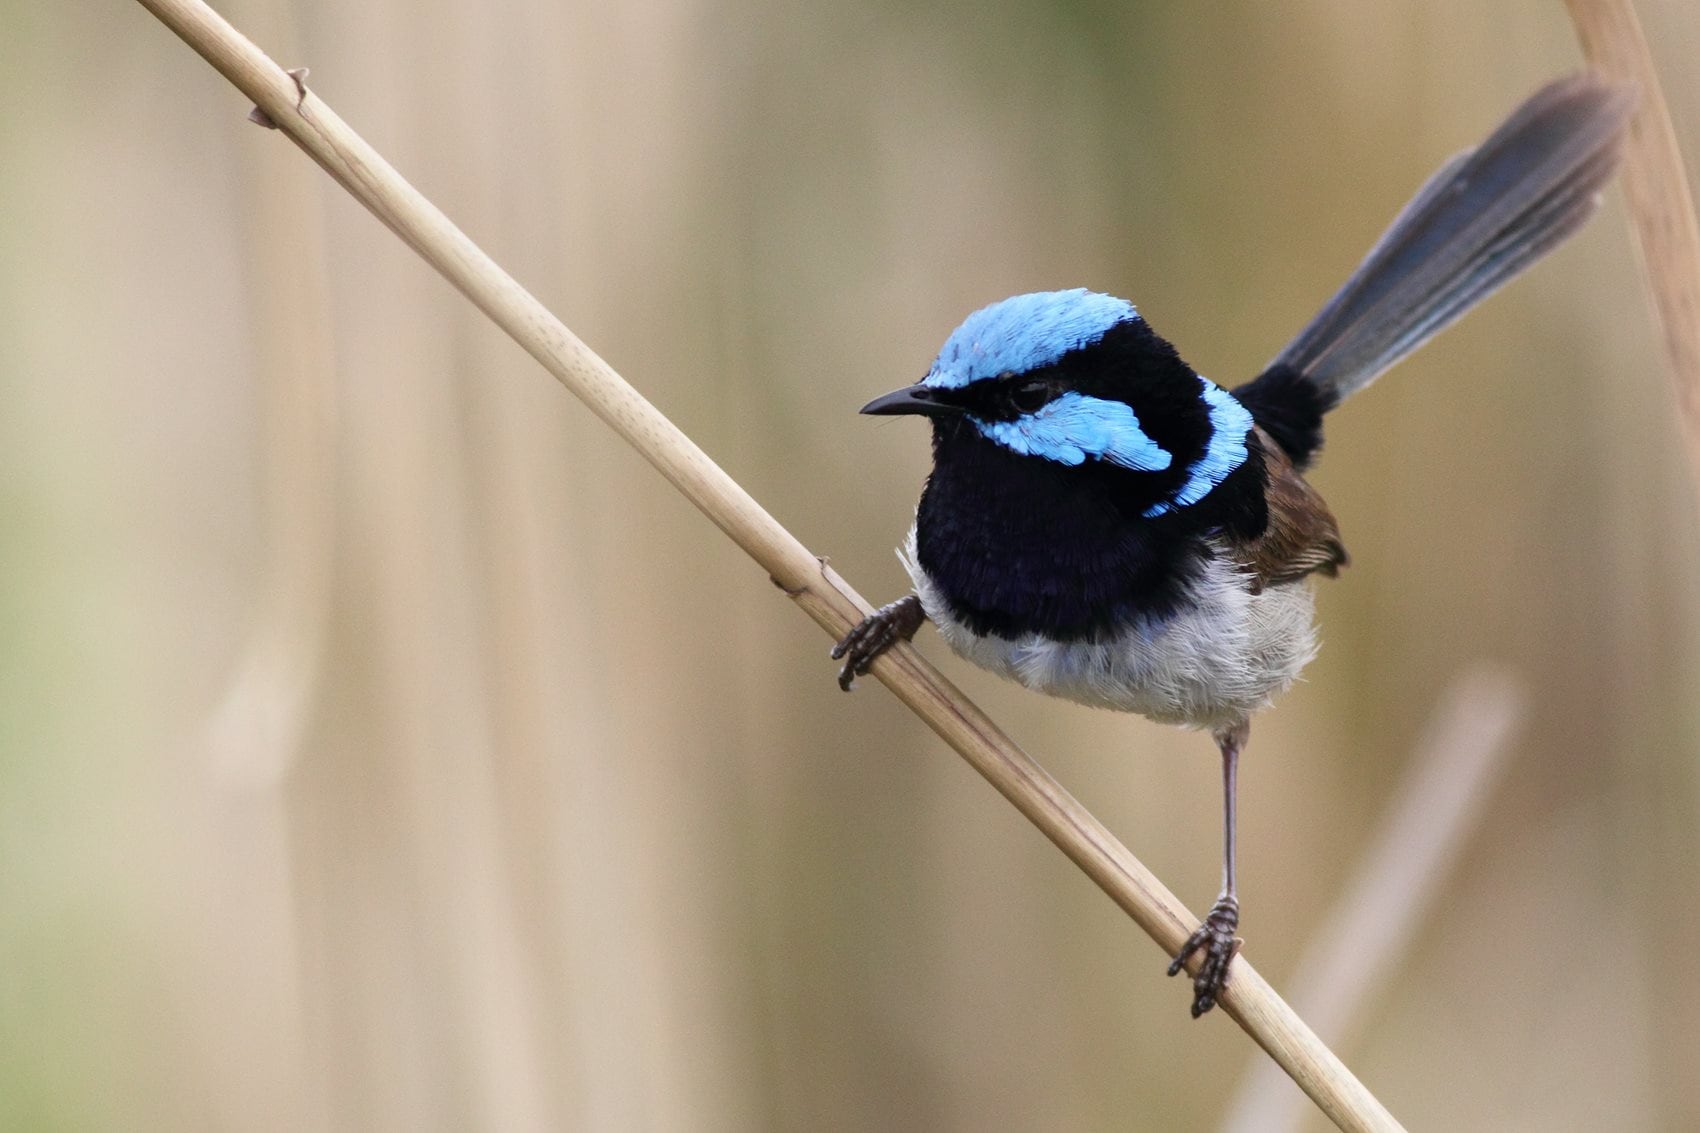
(383, 746)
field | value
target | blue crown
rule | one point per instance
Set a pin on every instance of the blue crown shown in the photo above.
(1025, 332)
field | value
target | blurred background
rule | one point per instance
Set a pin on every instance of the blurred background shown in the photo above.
(383, 745)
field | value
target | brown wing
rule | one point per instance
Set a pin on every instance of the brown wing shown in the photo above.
(1302, 537)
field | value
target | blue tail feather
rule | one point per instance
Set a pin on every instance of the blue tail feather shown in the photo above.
(1486, 215)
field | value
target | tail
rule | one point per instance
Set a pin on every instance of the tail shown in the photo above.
(1487, 214)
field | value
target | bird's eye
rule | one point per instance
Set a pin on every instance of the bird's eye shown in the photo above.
(1030, 395)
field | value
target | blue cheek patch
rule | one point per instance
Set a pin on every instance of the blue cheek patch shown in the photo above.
(1074, 427)
(1229, 423)
(1025, 332)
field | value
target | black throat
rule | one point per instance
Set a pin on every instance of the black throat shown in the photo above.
(1019, 545)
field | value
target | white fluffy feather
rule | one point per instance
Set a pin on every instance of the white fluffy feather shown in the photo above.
(1224, 656)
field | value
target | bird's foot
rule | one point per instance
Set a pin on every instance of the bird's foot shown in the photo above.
(874, 634)
(1216, 937)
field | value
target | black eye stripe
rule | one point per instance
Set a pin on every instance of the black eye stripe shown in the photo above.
(1009, 396)
(1029, 394)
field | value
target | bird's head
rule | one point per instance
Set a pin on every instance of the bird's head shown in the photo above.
(1076, 379)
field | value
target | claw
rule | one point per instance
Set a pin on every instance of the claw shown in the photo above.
(874, 634)
(1216, 937)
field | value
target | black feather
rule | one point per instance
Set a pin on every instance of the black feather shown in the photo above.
(1290, 409)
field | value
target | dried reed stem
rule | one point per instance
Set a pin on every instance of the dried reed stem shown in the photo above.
(284, 101)
(1458, 763)
(1661, 211)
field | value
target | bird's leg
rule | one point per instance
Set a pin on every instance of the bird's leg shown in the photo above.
(1216, 934)
(874, 634)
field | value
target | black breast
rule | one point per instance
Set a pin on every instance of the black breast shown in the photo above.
(1019, 544)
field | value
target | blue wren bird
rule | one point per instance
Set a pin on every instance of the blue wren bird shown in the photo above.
(1104, 524)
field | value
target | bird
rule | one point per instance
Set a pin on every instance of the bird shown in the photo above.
(1104, 524)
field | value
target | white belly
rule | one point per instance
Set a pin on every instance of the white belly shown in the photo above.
(1210, 666)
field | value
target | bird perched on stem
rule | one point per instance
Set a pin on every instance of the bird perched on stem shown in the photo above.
(1104, 524)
